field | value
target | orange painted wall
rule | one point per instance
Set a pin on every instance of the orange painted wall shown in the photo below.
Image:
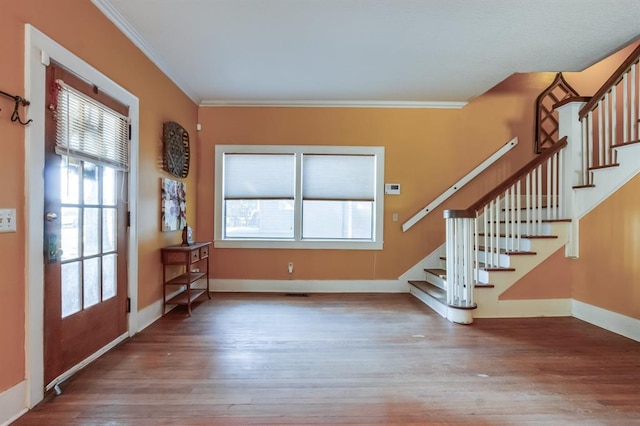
(549, 280)
(426, 151)
(607, 274)
(82, 29)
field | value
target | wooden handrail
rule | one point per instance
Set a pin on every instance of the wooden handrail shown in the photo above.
(456, 186)
(491, 195)
(612, 81)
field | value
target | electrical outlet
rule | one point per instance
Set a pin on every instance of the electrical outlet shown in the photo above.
(7, 220)
(291, 267)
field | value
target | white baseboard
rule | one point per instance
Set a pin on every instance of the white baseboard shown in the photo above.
(309, 286)
(13, 403)
(609, 320)
(153, 312)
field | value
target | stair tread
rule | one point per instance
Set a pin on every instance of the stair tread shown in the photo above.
(439, 272)
(483, 266)
(531, 237)
(510, 253)
(524, 222)
(625, 144)
(430, 289)
(606, 166)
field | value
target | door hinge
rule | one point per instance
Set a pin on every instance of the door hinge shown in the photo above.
(128, 219)
(129, 132)
(128, 305)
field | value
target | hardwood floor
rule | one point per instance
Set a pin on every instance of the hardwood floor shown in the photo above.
(352, 359)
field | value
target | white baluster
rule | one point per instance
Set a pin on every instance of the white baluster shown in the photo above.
(607, 142)
(634, 96)
(528, 203)
(534, 200)
(590, 149)
(600, 130)
(614, 124)
(507, 220)
(539, 216)
(496, 236)
(625, 108)
(485, 244)
(476, 261)
(549, 190)
(518, 211)
(561, 212)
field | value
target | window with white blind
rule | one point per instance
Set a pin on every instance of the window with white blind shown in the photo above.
(299, 196)
(88, 130)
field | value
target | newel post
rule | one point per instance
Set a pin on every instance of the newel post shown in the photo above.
(572, 164)
(461, 261)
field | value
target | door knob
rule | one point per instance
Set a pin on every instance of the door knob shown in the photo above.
(51, 216)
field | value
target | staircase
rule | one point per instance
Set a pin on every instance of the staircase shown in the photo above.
(492, 280)
(535, 212)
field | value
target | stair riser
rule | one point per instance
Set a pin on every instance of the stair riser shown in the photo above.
(531, 229)
(436, 280)
(507, 244)
(502, 260)
(483, 278)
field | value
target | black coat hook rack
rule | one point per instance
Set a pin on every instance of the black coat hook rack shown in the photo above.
(19, 100)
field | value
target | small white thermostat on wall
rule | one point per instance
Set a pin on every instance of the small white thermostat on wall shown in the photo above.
(392, 188)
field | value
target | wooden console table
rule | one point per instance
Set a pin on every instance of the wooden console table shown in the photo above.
(186, 256)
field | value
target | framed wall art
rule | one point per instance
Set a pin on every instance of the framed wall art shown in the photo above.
(174, 205)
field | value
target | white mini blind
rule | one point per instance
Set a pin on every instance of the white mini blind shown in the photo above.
(89, 130)
(259, 176)
(338, 177)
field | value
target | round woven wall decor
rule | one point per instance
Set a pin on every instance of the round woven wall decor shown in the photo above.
(176, 149)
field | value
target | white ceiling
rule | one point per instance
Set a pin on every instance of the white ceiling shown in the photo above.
(404, 52)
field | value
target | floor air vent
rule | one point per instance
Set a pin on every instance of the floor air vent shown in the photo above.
(297, 294)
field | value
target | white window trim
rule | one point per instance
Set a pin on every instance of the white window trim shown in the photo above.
(377, 242)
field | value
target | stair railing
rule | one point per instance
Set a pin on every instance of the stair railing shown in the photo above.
(476, 238)
(610, 119)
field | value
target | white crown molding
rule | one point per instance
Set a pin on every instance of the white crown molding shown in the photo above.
(130, 32)
(335, 104)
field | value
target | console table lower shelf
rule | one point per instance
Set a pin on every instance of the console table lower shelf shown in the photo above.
(188, 294)
(188, 257)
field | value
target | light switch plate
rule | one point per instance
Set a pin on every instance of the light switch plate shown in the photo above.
(7, 220)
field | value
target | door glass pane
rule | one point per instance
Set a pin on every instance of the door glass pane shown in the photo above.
(90, 180)
(109, 189)
(70, 232)
(259, 219)
(91, 227)
(71, 292)
(351, 220)
(108, 276)
(91, 282)
(108, 229)
(70, 180)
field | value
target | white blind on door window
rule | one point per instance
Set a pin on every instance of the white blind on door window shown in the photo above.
(259, 176)
(88, 130)
(338, 177)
